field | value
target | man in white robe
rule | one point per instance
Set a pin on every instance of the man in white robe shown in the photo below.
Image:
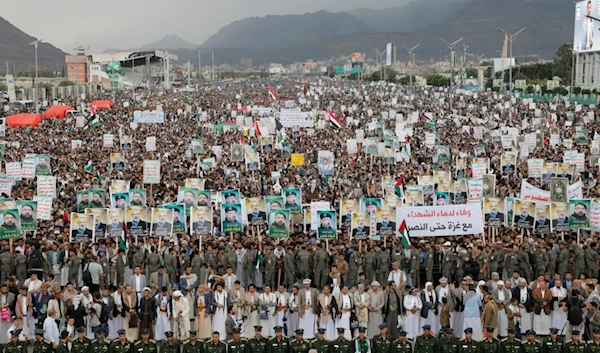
(344, 302)
(163, 308)
(220, 307)
(309, 304)
(430, 313)
(282, 302)
(181, 316)
(361, 307)
(267, 302)
(328, 312)
(376, 303)
(412, 305)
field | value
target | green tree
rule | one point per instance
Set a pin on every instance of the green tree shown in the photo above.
(438, 80)
(66, 83)
(563, 60)
(3, 87)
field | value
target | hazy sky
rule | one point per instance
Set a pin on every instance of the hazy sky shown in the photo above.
(128, 24)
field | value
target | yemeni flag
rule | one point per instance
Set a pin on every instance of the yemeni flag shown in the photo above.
(93, 113)
(257, 129)
(334, 120)
(428, 121)
(398, 187)
(272, 94)
(343, 116)
(259, 254)
(404, 234)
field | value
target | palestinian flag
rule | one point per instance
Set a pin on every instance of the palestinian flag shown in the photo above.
(407, 148)
(404, 234)
(428, 121)
(73, 166)
(99, 176)
(334, 120)
(95, 122)
(398, 187)
(259, 254)
(272, 94)
(89, 166)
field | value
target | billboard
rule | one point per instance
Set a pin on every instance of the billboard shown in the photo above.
(388, 54)
(585, 38)
(358, 60)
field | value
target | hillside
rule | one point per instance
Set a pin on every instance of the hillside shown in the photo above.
(549, 23)
(287, 30)
(15, 48)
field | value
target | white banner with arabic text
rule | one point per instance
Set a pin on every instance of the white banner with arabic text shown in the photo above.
(435, 221)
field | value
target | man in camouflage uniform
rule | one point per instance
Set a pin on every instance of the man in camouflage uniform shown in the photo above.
(6, 264)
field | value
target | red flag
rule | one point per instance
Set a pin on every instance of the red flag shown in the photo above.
(125, 229)
(343, 116)
(272, 94)
(257, 128)
(399, 182)
(334, 120)
(305, 90)
(65, 216)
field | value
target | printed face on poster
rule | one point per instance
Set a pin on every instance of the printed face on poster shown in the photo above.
(201, 219)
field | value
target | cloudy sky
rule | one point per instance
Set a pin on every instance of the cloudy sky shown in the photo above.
(128, 24)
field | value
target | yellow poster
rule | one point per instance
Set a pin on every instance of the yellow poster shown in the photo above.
(297, 159)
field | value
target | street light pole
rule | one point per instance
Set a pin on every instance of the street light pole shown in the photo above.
(6, 63)
(573, 55)
(410, 64)
(451, 48)
(199, 64)
(35, 93)
(511, 38)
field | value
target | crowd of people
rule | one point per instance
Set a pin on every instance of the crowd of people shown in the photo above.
(228, 287)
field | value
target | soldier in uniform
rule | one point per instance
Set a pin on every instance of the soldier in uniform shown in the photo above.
(288, 268)
(320, 264)
(231, 259)
(540, 260)
(429, 255)
(415, 261)
(82, 343)
(74, 262)
(170, 346)
(152, 262)
(563, 259)
(237, 344)
(579, 261)
(341, 344)
(6, 263)
(190, 346)
(40, 345)
(402, 344)
(299, 345)
(383, 269)
(449, 343)
(270, 261)
(20, 267)
(121, 344)
(215, 345)
(63, 344)
(139, 258)
(426, 343)
(553, 343)
(490, 344)
(16, 346)
(591, 260)
(320, 344)
(510, 344)
(593, 346)
(531, 345)
(468, 344)
(258, 343)
(552, 258)
(447, 260)
(382, 343)
(145, 345)
(361, 343)
(249, 272)
(369, 261)
(354, 261)
(100, 345)
(278, 344)
(576, 345)
(304, 260)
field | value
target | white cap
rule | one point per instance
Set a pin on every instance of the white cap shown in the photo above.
(447, 243)
(177, 294)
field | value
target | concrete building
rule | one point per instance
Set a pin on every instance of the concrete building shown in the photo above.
(77, 68)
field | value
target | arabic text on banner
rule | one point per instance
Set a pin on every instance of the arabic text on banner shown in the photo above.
(433, 221)
(151, 171)
(148, 116)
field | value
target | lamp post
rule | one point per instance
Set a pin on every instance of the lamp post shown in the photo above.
(35, 93)
(511, 38)
(573, 56)
(410, 61)
(451, 48)
(199, 64)
(6, 63)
